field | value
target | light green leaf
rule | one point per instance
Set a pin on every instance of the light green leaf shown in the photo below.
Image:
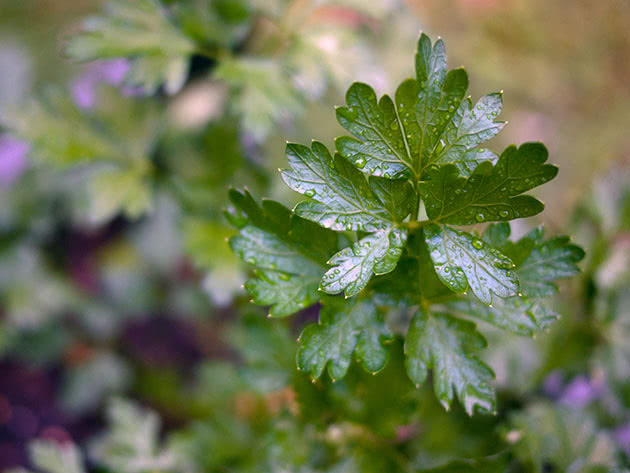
(111, 144)
(113, 190)
(446, 345)
(549, 260)
(262, 93)
(462, 260)
(517, 314)
(141, 31)
(353, 267)
(341, 197)
(345, 328)
(52, 457)
(491, 193)
(132, 441)
(430, 123)
(288, 252)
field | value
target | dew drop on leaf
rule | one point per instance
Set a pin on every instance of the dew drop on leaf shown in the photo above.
(360, 163)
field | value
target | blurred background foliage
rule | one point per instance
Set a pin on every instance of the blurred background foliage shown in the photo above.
(116, 278)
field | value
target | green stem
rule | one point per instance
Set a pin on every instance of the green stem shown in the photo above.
(416, 207)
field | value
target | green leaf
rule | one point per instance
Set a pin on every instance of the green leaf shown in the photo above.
(132, 444)
(340, 196)
(141, 31)
(525, 314)
(288, 252)
(518, 314)
(262, 93)
(345, 328)
(113, 142)
(430, 123)
(342, 199)
(268, 352)
(559, 437)
(52, 457)
(462, 260)
(491, 193)
(285, 293)
(353, 267)
(446, 345)
(549, 260)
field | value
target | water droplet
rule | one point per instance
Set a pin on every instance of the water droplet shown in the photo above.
(480, 217)
(477, 244)
(447, 270)
(394, 125)
(504, 213)
(360, 163)
(284, 276)
(309, 193)
(251, 260)
(348, 226)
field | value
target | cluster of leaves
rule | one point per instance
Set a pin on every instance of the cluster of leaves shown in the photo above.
(361, 218)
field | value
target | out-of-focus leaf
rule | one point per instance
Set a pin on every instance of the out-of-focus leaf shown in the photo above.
(140, 30)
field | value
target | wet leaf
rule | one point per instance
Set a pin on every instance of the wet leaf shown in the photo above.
(446, 345)
(346, 329)
(464, 261)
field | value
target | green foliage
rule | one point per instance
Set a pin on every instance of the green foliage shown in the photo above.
(111, 144)
(345, 328)
(420, 148)
(446, 345)
(141, 30)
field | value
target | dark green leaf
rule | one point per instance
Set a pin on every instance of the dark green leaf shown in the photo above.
(430, 123)
(446, 345)
(285, 293)
(341, 197)
(289, 253)
(491, 193)
(345, 328)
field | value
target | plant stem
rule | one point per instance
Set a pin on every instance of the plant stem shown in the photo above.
(416, 207)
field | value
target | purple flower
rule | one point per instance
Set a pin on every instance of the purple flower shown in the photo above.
(84, 87)
(581, 391)
(622, 436)
(13, 160)
(553, 384)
